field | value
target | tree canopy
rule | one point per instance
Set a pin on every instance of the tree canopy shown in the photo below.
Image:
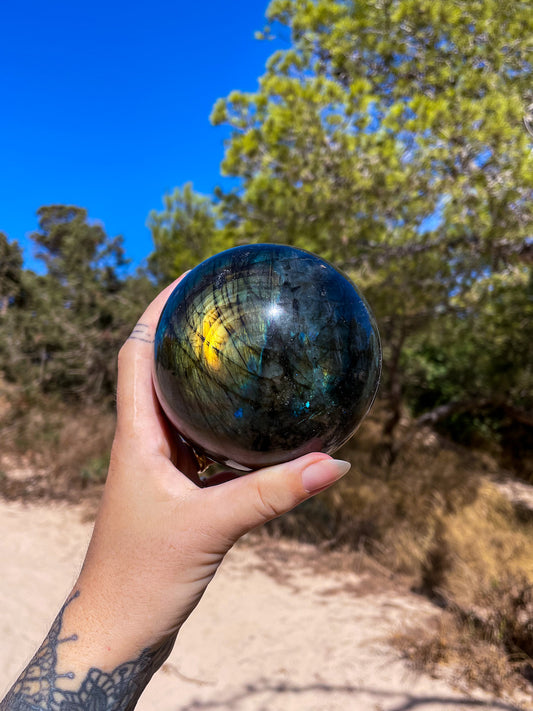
(10, 271)
(62, 332)
(391, 137)
(185, 233)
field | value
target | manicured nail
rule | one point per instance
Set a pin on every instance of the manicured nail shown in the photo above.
(320, 474)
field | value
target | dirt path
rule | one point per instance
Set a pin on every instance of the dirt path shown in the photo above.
(274, 632)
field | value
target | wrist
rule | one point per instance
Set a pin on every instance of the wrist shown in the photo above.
(75, 673)
(104, 629)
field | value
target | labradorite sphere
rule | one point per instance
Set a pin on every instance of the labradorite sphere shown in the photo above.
(264, 353)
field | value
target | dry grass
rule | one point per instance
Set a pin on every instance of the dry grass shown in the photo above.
(82, 453)
(490, 542)
(450, 648)
(489, 645)
(437, 517)
(56, 451)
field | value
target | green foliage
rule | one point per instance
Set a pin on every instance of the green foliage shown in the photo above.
(390, 138)
(95, 470)
(184, 234)
(63, 329)
(473, 367)
(10, 272)
(482, 350)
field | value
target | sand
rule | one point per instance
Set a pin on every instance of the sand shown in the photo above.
(275, 631)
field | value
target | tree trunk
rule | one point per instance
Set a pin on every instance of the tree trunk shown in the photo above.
(394, 398)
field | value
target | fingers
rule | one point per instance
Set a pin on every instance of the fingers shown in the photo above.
(141, 339)
(240, 505)
(137, 407)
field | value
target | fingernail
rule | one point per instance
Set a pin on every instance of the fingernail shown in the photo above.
(320, 474)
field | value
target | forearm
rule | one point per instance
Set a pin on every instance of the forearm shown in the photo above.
(158, 540)
(76, 670)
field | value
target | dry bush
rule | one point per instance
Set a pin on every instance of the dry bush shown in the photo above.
(82, 454)
(66, 448)
(399, 511)
(395, 511)
(464, 544)
(434, 516)
(489, 646)
(428, 648)
(491, 541)
(453, 649)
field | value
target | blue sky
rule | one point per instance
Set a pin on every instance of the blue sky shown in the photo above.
(105, 104)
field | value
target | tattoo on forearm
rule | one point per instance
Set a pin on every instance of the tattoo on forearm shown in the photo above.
(141, 332)
(36, 689)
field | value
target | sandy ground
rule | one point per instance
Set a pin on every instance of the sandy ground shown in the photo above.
(276, 631)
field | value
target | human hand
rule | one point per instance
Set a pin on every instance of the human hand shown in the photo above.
(159, 537)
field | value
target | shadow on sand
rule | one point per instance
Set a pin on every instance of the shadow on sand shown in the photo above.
(270, 696)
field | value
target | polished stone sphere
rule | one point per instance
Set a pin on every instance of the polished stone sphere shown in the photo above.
(264, 353)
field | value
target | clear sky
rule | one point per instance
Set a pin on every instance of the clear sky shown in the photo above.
(105, 104)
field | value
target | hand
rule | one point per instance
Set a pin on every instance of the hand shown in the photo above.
(159, 538)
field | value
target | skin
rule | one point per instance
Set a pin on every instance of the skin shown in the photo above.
(158, 540)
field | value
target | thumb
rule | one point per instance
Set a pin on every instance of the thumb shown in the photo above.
(242, 504)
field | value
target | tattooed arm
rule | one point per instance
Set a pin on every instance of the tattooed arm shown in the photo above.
(157, 542)
(40, 685)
